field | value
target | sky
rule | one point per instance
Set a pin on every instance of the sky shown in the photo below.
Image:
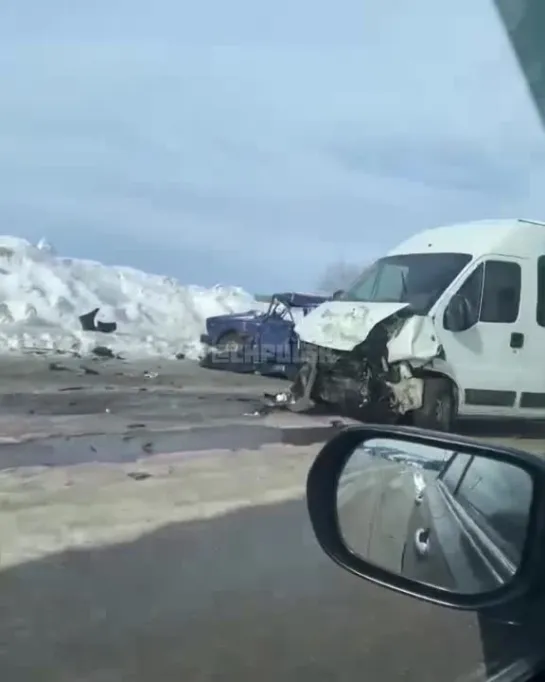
(254, 143)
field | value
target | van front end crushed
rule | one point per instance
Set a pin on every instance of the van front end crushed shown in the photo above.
(376, 380)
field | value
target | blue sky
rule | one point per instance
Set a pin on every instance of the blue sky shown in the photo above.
(256, 143)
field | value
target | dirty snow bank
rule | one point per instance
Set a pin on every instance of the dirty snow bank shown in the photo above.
(42, 295)
(47, 510)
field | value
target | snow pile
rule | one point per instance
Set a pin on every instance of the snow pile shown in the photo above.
(42, 296)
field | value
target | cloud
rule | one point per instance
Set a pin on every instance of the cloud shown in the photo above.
(255, 142)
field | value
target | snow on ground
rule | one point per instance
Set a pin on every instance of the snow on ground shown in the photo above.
(45, 510)
(42, 295)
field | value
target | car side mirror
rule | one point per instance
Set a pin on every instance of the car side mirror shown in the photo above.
(338, 294)
(459, 315)
(399, 506)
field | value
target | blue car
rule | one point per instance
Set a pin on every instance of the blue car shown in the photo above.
(257, 341)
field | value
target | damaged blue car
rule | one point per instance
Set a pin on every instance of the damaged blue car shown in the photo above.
(259, 341)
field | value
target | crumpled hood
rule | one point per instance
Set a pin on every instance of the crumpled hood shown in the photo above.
(342, 325)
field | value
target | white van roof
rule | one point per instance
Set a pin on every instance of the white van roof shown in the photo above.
(514, 237)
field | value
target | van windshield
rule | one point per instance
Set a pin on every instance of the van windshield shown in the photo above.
(415, 278)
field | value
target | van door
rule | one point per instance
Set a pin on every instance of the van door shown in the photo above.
(532, 398)
(487, 357)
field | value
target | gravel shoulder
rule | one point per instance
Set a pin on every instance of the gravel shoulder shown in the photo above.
(46, 373)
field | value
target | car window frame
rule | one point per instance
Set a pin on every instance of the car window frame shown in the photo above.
(480, 271)
(473, 513)
(447, 468)
(284, 314)
(540, 290)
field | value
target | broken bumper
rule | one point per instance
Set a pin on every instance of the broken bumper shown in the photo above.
(355, 385)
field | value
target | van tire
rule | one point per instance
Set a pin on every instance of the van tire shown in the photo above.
(438, 408)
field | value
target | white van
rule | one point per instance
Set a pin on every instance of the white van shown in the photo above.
(451, 322)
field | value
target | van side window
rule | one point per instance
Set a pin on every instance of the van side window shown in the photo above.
(540, 311)
(501, 291)
(472, 289)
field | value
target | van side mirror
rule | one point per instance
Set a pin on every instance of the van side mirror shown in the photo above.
(459, 314)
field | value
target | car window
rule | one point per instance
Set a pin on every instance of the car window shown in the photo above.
(452, 474)
(390, 282)
(280, 310)
(540, 307)
(499, 495)
(501, 292)
(414, 278)
(493, 291)
(472, 291)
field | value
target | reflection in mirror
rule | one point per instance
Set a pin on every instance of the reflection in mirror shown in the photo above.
(452, 520)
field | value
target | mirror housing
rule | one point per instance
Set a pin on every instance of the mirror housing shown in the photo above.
(459, 316)
(322, 491)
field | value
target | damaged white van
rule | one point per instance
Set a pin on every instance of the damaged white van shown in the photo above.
(451, 322)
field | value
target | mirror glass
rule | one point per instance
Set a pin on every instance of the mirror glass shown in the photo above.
(450, 519)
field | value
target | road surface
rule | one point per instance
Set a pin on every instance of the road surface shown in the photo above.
(198, 566)
(190, 575)
(374, 507)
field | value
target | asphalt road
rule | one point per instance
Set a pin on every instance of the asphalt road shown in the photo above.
(176, 390)
(374, 508)
(243, 596)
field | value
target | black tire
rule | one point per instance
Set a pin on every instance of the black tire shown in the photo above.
(438, 409)
(224, 356)
(229, 341)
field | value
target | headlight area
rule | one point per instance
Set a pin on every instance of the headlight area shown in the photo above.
(359, 383)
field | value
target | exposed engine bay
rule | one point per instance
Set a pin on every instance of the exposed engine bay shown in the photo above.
(373, 380)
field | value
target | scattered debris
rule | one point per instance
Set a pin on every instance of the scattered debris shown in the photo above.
(71, 388)
(88, 323)
(277, 400)
(139, 475)
(89, 370)
(180, 356)
(136, 426)
(57, 367)
(151, 375)
(148, 447)
(259, 412)
(103, 352)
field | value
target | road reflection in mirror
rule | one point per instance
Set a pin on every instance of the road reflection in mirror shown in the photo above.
(448, 519)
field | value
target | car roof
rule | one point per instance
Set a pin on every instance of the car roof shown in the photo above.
(296, 300)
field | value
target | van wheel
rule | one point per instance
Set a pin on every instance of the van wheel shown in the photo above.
(438, 409)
